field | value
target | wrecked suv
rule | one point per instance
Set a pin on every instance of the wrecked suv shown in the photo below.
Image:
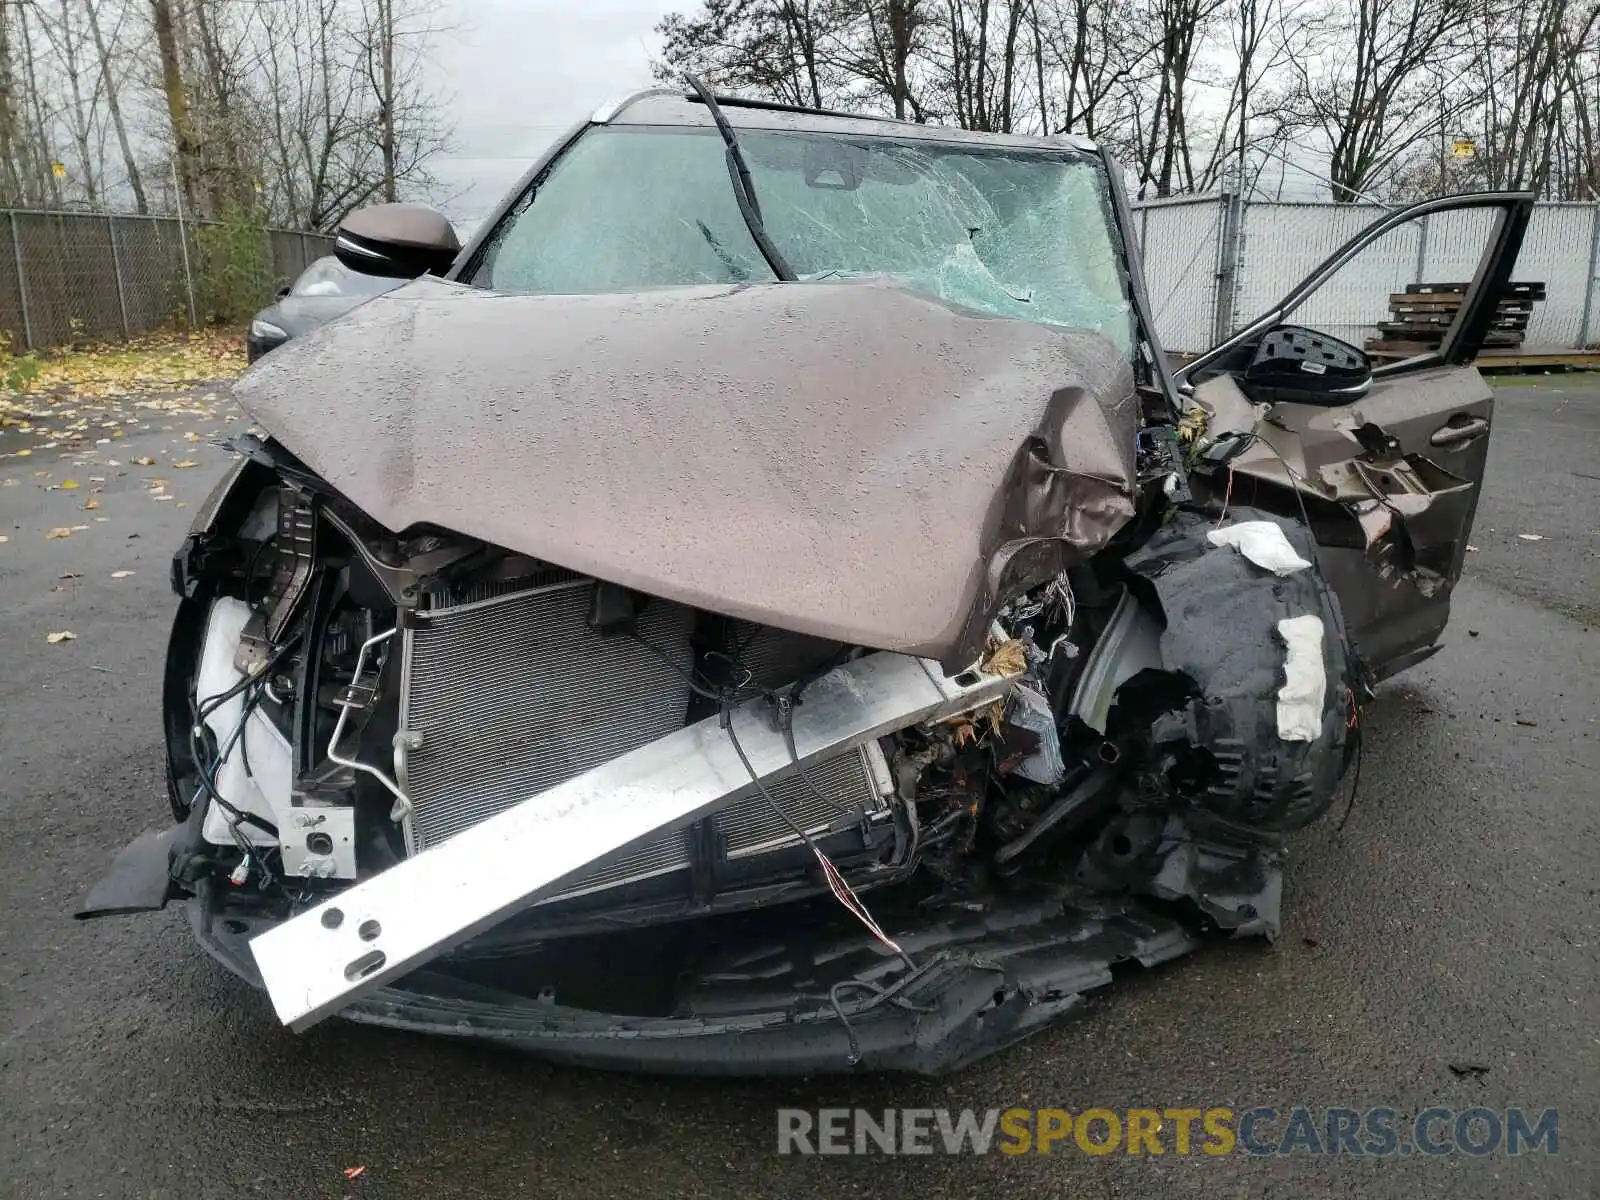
(768, 605)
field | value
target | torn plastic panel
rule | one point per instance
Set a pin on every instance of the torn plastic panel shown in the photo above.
(803, 994)
(1205, 727)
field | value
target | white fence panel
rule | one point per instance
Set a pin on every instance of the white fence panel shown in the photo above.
(1556, 250)
(1283, 243)
(1179, 240)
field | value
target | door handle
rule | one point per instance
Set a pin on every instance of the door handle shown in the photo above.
(1453, 436)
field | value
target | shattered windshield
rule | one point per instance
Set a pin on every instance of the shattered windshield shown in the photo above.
(1016, 233)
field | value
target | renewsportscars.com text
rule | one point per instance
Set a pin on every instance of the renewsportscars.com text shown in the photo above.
(1358, 1132)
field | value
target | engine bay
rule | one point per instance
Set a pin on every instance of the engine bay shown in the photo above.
(350, 700)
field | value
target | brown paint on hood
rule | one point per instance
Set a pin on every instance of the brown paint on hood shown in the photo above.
(850, 460)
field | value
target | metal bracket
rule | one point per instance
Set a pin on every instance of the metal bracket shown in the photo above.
(320, 843)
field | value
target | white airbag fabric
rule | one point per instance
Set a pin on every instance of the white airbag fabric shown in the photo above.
(1300, 700)
(1263, 543)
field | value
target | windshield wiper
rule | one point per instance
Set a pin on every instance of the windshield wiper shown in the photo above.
(743, 190)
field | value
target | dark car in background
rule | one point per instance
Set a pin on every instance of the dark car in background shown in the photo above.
(325, 290)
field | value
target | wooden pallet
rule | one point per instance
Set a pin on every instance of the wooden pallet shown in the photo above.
(1515, 358)
(1420, 316)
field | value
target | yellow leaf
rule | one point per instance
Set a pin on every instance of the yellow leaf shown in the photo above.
(24, 453)
(60, 531)
(68, 484)
(187, 462)
(144, 460)
(91, 503)
(64, 635)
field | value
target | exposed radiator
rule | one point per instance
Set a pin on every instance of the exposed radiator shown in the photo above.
(515, 694)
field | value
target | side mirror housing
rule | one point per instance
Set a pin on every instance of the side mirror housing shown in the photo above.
(1306, 367)
(398, 241)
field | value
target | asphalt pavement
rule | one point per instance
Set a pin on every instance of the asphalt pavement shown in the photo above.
(1443, 949)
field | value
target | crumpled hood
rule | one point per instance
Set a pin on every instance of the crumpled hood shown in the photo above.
(846, 459)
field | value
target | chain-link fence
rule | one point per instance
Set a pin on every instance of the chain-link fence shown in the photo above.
(67, 276)
(1214, 263)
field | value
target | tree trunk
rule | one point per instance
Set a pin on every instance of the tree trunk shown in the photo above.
(114, 106)
(10, 167)
(46, 164)
(185, 144)
(386, 100)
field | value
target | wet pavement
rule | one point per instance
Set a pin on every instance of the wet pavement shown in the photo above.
(1453, 923)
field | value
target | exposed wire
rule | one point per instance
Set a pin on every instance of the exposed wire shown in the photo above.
(1355, 779)
(1227, 498)
(696, 685)
(1295, 480)
(837, 884)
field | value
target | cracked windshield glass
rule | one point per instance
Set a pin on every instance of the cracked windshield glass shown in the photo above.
(1023, 234)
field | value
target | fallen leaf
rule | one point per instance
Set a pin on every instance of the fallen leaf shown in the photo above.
(64, 635)
(1528, 723)
(91, 503)
(354, 1172)
(184, 463)
(156, 485)
(1531, 537)
(24, 453)
(78, 528)
(4, 538)
(144, 460)
(69, 575)
(120, 574)
(68, 484)
(1472, 549)
(60, 531)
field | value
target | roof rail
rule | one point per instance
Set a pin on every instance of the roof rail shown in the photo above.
(612, 109)
(780, 106)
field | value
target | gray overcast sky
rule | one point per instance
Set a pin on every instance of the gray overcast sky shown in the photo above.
(517, 72)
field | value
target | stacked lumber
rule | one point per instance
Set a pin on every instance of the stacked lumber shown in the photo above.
(1420, 316)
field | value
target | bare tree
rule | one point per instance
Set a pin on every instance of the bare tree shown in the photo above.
(1371, 84)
